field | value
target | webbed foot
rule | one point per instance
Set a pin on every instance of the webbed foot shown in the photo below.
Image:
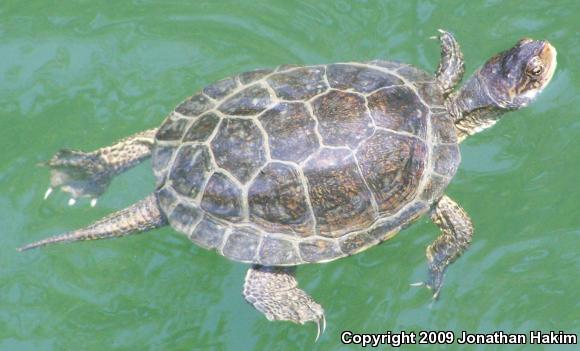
(434, 281)
(452, 66)
(274, 292)
(88, 174)
(456, 233)
(78, 173)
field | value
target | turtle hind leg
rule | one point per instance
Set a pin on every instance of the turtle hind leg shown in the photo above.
(78, 173)
(452, 66)
(455, 238)
(88, 174)
(274, 292)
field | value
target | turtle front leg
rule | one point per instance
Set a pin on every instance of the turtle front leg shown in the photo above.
(88, 174)
(451, 67)
(274, 292)
(456, 232)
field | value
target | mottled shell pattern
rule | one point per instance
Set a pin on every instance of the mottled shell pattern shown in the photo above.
(305, 163)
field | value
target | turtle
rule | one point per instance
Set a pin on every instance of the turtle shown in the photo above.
(307, 164)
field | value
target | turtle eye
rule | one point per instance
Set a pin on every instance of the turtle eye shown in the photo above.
(536, 71)
(535, 67)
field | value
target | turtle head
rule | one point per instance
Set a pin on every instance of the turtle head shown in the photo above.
(508, 81)
(513, 78)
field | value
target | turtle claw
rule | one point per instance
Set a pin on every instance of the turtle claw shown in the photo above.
(434, 283)
(436, 294)
(78, 173)
(438, 37)
(317, 330)
(48, 192)
(319, 321)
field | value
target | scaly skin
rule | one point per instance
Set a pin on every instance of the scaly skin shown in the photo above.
(88, 174)
(137, 218)
(456, 232)
(274, 292)
(452, 66)
(508, 81)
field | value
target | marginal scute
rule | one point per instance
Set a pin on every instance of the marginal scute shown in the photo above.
(160, 160)
(342, 118)
(443, 128)
(390, 65)
(393, 225)
(384, 230)
(161, 156)
(399, 109)
(221, 88)
(190, 170)
(241, 245)
(299, 84)
(208, 233)
(238, 148)
(202, 128)
(276, 251)
(248, 102)
(359, 78)
(277, 200)
(434, 188)
(318, 250)
(353, 243)
(412, 213)
(171, 129)
(290, 131)
(392, 165)
(286, 67)
(184, 217)
(252, 76)
(446, 159)
(167, 199)
(194, 106)
(414, 74)
(222, 198)
(339, 197)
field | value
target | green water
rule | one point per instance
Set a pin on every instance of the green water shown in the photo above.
(82, 74)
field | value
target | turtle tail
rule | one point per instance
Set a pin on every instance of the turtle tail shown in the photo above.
(139, 217)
